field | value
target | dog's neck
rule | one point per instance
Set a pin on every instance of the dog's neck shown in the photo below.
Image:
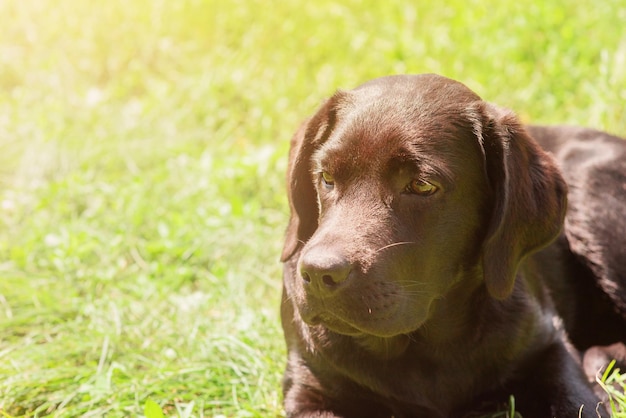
(453, 317)
(384, 348)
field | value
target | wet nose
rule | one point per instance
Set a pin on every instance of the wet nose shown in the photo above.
(323, 273)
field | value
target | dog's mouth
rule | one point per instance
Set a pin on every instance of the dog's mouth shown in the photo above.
(388, 347)
(383, 321)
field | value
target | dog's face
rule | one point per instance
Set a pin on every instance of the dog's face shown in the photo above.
(395, 201)
(401, 201)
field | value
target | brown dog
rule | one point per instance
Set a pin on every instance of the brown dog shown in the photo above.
(412, 282)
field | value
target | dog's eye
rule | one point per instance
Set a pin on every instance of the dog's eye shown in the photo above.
(328, 180)
(421, 187)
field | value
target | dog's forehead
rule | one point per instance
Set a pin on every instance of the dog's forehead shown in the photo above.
(387, 120)
(425, 90)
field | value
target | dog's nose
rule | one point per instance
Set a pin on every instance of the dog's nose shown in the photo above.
(323, 273)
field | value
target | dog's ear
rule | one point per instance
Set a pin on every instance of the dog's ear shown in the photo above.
(529, 196)
(301, 191)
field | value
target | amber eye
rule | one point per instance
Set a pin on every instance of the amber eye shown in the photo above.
(328, 180)
(421, 187)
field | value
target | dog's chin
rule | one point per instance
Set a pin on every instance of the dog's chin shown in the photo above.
(384, 344)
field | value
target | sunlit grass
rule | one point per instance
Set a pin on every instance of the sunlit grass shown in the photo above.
(142, 152)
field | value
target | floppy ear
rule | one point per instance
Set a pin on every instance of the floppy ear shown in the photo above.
(529, 196)
(300, 188)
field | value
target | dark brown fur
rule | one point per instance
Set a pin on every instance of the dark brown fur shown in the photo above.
(405, 304)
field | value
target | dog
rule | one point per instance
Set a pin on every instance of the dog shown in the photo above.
(432, 267)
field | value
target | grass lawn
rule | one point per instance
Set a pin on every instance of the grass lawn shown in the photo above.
(142, 156)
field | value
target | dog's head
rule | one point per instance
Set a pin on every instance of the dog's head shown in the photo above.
(404, 188)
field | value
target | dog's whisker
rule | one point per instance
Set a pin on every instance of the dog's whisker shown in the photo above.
(406, 285)
(395, 244)
(412, 293)
(414, 283)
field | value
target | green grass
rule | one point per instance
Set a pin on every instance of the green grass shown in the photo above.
(613, 381)
(142, 152)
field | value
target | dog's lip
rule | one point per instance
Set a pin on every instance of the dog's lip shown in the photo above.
(382, 325)
(334, 324)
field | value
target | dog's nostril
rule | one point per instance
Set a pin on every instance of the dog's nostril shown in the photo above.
(328, 280)
(323, 274)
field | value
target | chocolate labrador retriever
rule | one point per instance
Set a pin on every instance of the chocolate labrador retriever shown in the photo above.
(427, 271)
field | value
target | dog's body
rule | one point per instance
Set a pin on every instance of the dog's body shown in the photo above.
(415, 284)
(588, 261)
